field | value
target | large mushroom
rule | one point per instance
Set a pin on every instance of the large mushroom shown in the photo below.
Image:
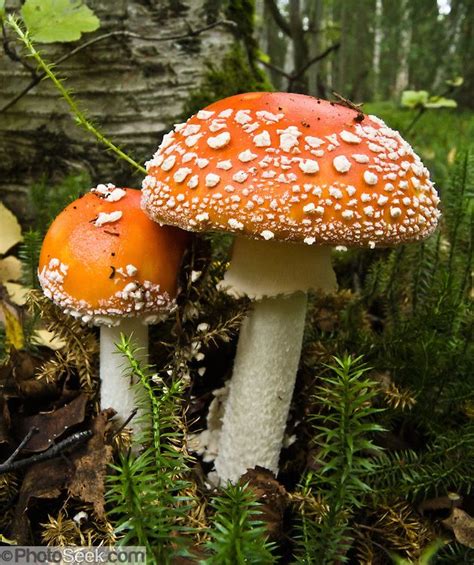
(104, 261)
(290, 176)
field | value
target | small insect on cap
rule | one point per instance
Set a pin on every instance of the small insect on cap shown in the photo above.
(291, 167)
(103, 259)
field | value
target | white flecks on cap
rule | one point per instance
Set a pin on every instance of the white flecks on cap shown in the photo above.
(193, 181)
(131, 270)
(382, 200)
(202, 217)
(224, 165)
(289, 138)
(267, 234)
(217, 125)
(191, 129)
(360, 158)
(370, 178)
(395, 212)
(235, 224)
(309, 208)
(369, 210)
(309, 240)
(226, 113)
(202, 163)
(348, 214)
(309, 166)
(219, 141)
(262, 139)
(168, 163)
(240, 176)
(268, 116)
(193, 139)
(349, 137)
(247, 156)
(341, 163)
(181, 174)
(314, 142)
(104, 218)
(204, 114)
(335, 192)
(242, 117)
(212, 180)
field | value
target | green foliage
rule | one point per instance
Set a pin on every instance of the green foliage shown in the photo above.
(146, 493)
(445, 464)
(421, 99)
(47, 200)
(29, 254)
(49, 21)
(343, 431)
(237, 535)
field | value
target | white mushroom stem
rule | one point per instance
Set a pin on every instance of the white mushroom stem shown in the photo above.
(116, 385)
(269, 348)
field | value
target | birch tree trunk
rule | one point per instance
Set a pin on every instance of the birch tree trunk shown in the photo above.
(402, 77)
(132, 88)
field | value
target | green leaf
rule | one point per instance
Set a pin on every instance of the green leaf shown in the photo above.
(2, 8)
(414, 98)
(49, 21)
(441, 102)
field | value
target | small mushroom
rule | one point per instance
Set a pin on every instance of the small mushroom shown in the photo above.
(291, 176)
(105, 262)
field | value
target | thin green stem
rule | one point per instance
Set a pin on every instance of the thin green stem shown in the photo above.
(78, 113)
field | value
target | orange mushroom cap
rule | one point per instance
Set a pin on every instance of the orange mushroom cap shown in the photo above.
(291, 167)
(103, 259)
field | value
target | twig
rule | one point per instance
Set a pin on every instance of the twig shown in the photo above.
(119, 33)
(23, 442)
(50, 453)
(127, 421)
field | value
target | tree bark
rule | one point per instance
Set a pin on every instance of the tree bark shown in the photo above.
(132, 88)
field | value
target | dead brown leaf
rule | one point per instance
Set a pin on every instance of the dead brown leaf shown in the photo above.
(90, 462)
(51, 425)
(43, 480)
(272, 496)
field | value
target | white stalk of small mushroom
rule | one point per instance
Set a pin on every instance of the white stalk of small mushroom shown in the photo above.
(115, 390)
(277, 276)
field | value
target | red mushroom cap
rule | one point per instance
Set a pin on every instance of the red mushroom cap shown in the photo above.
(103, 258)
(291, 167)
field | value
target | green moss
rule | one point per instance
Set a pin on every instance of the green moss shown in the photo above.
(238, 71)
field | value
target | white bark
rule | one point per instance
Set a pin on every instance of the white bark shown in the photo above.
(402, 79)
(378, 36)
(115, 383)
(262, 386)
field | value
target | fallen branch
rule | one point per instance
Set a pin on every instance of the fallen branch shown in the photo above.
(55, 450)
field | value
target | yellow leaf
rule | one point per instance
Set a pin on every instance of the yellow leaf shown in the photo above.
(10, 230)
(48, 339)
(16, 292)
(10, 269)
(13, 329)
(452, 155)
